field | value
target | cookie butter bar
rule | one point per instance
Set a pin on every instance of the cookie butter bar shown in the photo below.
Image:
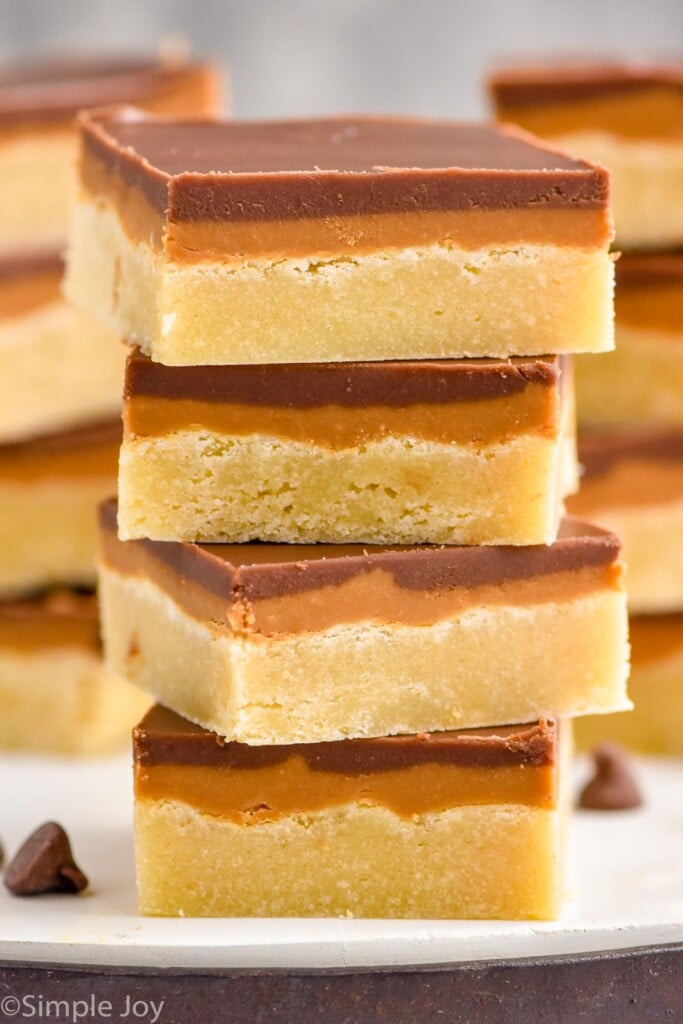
(655, 726)
(470, 822)
(286, 643)
(626, 116)
(55, 693)
(641, 382)
(38, 104)
(50, 487)
(338, 240)
(633, 484)
(59, 366)
(467, 452)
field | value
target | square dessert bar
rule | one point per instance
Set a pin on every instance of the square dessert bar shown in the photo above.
(628, 117)
(633, 484)
(60, 367)
(641, 382)
(210, 242)
(655, 726)
(471, 824)
(50, 487)
(38, 143)
(55, 693)
(465, 452)
(267, 643)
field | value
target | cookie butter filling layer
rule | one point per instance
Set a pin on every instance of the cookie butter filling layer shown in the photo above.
(271, 589)
(210, 190)
(175, 760)
(627, 100)
(346, 404)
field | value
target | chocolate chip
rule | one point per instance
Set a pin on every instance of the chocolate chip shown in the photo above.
(44, 864)
(613, 787)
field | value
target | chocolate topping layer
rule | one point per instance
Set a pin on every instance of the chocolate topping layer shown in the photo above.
(536, 84)
(163, 737)
(356, 385)
(599, 450)
(263, 171)
(56, 89)
(248, 573)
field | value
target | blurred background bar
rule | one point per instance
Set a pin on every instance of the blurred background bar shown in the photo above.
(317, 56)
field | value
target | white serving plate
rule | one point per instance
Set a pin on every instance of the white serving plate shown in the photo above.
(625, 890)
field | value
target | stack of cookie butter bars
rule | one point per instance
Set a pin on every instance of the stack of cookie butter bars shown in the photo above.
(338, 559)
(60, 427)
(630, 402)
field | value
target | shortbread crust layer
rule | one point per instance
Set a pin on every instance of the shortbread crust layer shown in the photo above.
(411, 796)
(342, 641)
(468, 452)
(49, 491)
(56, 694)
(60, 367)
(185, 263)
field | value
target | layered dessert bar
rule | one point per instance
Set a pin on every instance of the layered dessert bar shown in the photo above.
(471, 824)
(642, 380)
(626, 116)
(55, 693)
(268, 643)
(655, 726)
(466, 452)
(60, 367)
(38, 104)
(50, 487)
(211, 242)
(633, 484)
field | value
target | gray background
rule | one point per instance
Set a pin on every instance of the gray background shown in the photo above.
(291, 57)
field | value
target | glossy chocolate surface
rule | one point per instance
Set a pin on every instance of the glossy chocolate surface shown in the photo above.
(306, 385)
(163, 737)
(256, 571)
(264, 171)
